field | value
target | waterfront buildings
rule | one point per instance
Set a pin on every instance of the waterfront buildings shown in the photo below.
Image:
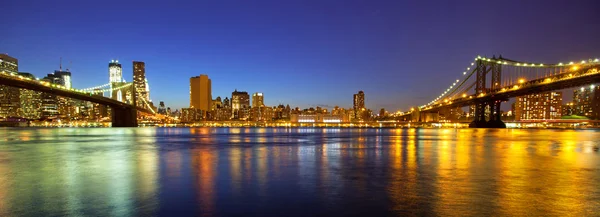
(10, 102)
(539, 106)
(191, 115)
(31, 101)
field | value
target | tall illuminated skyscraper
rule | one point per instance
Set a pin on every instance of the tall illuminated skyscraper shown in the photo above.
(115, 78)
(9, 96)
(200, 93)
(257, 100)
(359, 104)
(115, 71)
(140, 82)
(359, 100)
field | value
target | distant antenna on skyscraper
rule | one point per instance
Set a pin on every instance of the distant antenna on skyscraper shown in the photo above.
(60, 64)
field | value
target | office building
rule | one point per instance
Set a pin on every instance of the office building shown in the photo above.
(257, 100)
(10, 101)
(240, 103)
(539, 106)
(200, 93)
(140, 83)
(115, 78)
(115, 71)
(31, 101)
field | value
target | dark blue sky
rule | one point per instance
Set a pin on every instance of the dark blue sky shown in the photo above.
(305, 53)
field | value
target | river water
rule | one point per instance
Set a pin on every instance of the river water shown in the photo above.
(298, 172)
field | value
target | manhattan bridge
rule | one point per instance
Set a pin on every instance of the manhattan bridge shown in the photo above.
(487, 82)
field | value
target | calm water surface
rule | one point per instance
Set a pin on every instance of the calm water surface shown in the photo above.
(298, 172)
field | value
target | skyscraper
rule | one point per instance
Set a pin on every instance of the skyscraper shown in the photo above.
(539, 106)
(240, 104)
(139, 81)
(115, 72)
(359, 105)
(257, 100)
(200, 93)
(9, 96)
(359, 100)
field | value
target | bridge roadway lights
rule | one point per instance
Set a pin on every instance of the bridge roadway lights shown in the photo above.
(124, 117)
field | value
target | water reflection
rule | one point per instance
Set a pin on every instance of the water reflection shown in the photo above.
(298, 172)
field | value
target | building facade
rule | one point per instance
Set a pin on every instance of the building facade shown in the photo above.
(31, 101)
(240, 104)
(538, 106)
(191, 115)
(584, 101)
(140, 83)
(359, 106)
(200, 93)
(10, 101)
(258, 100)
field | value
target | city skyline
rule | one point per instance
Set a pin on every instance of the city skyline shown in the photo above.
(336, 49)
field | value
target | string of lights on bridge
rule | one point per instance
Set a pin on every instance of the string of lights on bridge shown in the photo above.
(90, 90)
(469, 71)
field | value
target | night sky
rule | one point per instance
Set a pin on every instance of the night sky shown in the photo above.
(302, 53)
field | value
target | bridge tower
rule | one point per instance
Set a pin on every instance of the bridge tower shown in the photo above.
(125, 117)
(482, 70)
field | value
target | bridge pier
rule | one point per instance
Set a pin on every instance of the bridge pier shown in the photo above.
(493, 121)
(124, 117)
